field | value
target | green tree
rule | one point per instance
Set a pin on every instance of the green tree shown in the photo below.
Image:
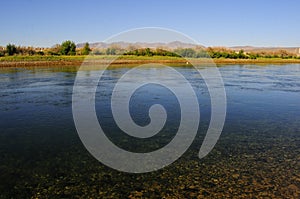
(148, 52)
(2, 51)
(241, 54)
(68, 48)
(11, 49)
(186, 52)
(110, 51)
(86, 49)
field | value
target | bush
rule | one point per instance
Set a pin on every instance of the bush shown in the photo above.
(40, 53)
(86, 49)
(68, 48)
(11, 49)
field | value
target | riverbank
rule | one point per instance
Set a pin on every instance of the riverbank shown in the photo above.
(25, 61)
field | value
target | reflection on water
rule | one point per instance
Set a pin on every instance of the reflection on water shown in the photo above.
(258, 154)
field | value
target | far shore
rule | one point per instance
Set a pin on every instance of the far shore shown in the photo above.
(54, 61)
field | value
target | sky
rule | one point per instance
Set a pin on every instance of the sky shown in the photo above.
(210, 22)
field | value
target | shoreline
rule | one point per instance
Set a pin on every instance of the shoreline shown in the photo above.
(140, 60)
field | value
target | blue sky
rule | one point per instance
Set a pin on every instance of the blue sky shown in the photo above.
(211, 23)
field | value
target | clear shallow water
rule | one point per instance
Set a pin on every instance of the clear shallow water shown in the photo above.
(257, 155)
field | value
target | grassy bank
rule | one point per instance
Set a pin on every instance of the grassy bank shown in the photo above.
(19, 61)
(82, 57)
(256, 61)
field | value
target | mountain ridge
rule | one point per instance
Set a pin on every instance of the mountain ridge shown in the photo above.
(122, 44)
(177, 44)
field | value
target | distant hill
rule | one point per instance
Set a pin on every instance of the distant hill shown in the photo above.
(295, 50)
(177, 44)
(121, 44)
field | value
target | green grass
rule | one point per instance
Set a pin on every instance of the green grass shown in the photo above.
(134, 57)
(258, 60)
(79, 58)
(41, 58)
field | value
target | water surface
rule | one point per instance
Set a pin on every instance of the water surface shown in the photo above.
(257, 155)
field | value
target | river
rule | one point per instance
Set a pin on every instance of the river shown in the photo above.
(257, 154)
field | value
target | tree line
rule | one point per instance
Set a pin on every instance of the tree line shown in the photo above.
(212, 53)
(218, 52)
(65, 48)
(69, 48)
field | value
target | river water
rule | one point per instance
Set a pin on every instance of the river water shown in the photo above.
(257, 155)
